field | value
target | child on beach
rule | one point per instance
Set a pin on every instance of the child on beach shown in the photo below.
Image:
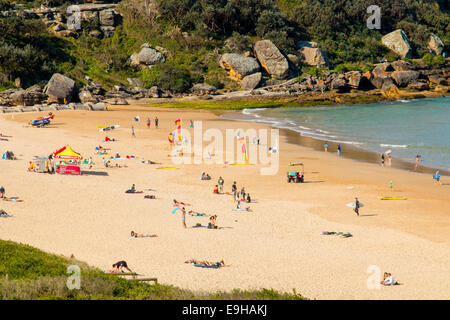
(148, 123)
(339, 149)
(325, 146)
(2, 192)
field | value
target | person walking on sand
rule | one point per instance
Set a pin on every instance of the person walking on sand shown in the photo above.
(2, 192)
(383, 158)
(437, 176)
(156, 122)
(325, 146)
(417, 161)
(149, 122)
(132, 132)
(220, 182)
(183, 217)
(357, 206)
(339, 150)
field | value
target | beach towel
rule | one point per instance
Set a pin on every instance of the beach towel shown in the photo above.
(175, 210)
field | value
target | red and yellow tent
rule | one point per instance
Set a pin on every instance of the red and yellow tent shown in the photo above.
(66, 153)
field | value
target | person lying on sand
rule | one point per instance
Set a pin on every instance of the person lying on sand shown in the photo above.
(177, 204)
(198, 263)
(71, 256)
(141, 235)
(197, 214)
(119, 266)
(388, 280)
(150, 162)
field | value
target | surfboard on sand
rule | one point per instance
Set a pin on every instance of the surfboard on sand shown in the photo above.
(109, 128)
(352, 205)
(393, 198)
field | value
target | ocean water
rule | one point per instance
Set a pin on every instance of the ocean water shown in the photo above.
(407, 127)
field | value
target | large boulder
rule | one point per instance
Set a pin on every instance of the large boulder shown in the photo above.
(403, 78)
(382, 69)
(60, 89)
(238, 65)
(311, 55)
(397, 41)
(252, 81)
(435, 45)
(271, 59)
(339, 84)
(147, 57)
(401, 65)
(28, 97)
(379, 82)
(203, 89)
(135, 82)
(353, 79)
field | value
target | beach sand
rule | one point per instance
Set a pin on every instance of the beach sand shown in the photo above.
(278, 245)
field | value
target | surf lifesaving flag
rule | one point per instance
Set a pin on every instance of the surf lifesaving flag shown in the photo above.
(179, 125)
(178, 122)
(241, 140)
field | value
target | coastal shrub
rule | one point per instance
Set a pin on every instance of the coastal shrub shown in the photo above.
(27, 273)
(167, 76)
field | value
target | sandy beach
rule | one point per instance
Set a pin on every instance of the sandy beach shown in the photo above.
(278, 245)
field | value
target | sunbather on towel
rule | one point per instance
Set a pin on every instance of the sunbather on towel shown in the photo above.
(197, 214)
(141, 235)
(198, 263)
(177, 203)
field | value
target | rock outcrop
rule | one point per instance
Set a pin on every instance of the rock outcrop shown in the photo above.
(435, 45)
(60, 89)
(147, 57)
(403, 78)
(203, 89)
(271, 59)
(238, 66)
(397, 41)
(311, 55)
(251, 82)
(28, 97)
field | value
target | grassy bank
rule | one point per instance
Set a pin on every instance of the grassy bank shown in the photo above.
(29, 273)
(270, 102)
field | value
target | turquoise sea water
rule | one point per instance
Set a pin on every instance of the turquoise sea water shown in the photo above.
(407, 127)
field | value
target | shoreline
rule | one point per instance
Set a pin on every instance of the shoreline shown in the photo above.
(352, 152)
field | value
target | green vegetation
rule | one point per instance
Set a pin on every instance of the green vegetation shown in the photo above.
(194, 33)
(29, 273)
